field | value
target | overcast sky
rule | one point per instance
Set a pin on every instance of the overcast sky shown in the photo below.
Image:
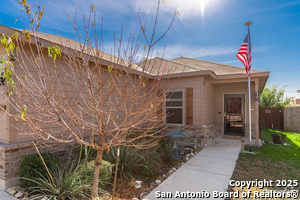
(211, 30)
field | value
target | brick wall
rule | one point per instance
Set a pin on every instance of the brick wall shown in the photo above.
(196, 132)
(11, 154)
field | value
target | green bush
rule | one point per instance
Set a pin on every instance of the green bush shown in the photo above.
(150, 170)
(131, 158)
(70, 181)
(105, 172)
(166, 148)
(31, 166)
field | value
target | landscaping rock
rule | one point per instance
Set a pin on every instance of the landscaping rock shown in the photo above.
(173, 168)
(164, 176)
(147, 189)
(17, 187)
(105, 197)
(187, 158)
(20, 194)
(158, 182)
(187, 155)
(192, 154)
(143, 194)
(171, 171)
(12, 192)
(152, 186)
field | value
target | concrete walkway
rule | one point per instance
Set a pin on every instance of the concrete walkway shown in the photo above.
(210, 170)
(5, 196)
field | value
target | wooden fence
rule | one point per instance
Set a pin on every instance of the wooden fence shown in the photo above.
(272, 117)
(292, 119)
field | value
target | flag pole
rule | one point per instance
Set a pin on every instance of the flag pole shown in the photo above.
(248, 23)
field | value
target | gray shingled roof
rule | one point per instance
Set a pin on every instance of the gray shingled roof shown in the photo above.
(217, 68)
(183, 64)
(72, 44)
(156, 65)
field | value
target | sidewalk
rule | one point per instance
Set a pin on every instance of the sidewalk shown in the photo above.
(5, 196)
(208, 171)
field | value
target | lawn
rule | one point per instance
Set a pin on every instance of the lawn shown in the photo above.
(271, 161)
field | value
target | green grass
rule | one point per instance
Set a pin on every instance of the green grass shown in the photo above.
(272, 161)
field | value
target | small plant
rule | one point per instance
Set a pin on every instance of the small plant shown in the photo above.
(32, 167)
(105, 172)
(150, 170)
(131, 158)
(85, 152)
(70, 181)
(166, 148)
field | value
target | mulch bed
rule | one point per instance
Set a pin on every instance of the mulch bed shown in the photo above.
(125, 188)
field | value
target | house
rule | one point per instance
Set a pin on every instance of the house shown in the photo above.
(211, 99)
(205, 100)
(295, 101)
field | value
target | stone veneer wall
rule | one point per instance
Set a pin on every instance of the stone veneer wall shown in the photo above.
(252, 130)
(195, 132)
(10, 159)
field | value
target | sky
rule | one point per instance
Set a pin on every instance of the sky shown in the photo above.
(211, 30)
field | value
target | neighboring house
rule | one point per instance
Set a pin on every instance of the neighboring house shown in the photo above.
(295, 102)
(206, 100)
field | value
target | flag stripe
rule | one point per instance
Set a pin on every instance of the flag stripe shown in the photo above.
(244, 54)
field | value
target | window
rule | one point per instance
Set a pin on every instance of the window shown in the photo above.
(174, 107)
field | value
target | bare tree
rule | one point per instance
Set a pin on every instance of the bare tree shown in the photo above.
(74, 92)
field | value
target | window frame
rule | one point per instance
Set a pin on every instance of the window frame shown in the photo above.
(182, 107)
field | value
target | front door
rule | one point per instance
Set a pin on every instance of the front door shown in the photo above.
(234, 114)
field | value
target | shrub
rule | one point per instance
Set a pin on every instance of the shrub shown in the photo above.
(71, 181)
(32, 167)
(150, 170)
(153, 162)
(105, 172)
(131, 158)
(166, 148)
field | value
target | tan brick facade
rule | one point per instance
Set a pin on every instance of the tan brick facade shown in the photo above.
(10, 159)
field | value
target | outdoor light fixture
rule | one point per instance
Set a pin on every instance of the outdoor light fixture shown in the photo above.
(138, 184)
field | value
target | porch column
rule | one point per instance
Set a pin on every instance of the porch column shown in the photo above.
(256, 114)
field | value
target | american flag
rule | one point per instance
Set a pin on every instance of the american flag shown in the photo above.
(244, 54)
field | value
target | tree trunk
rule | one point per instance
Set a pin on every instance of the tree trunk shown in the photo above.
(98, 162)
